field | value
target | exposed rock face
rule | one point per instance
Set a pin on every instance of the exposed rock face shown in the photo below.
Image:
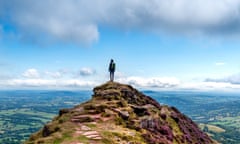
(116, 114)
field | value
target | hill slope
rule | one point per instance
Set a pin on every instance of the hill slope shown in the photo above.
(118, 113)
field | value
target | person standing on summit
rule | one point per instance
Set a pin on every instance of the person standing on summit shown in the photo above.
(111, 69)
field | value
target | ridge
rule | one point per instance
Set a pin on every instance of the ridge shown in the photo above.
(119, 113)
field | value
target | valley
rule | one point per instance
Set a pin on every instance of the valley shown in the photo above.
(25, 112)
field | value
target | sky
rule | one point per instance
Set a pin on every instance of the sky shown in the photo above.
(156, 44)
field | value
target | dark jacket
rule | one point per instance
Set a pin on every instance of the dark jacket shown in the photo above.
(112, 66)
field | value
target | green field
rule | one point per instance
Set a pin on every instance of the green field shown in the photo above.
(15, 120)
(229, 121)
(25, 112)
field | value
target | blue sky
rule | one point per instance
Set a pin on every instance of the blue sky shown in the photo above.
(160, 45)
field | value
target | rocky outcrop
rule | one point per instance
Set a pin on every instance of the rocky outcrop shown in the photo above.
(118, 113)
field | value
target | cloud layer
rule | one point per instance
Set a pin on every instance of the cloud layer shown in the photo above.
(87, 71)
(31, 73)
(35, 79)
(153, 82)
(78, 21)
(232, 79)
(50, 83)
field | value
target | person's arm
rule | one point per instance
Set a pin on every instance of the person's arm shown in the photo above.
(109, 68)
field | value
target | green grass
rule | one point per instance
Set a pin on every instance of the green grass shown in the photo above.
(212, 128)
(175, 126)
(83, 139)
(229, 121)
(64, 137)
(111, 137)
(26, 112)
(91, 125)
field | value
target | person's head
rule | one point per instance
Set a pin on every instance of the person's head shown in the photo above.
(111, 60)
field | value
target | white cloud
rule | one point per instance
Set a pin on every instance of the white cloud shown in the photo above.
(79, 83)
(34, 73)
(172, 83)
(67, 21)
(32, 78)
(155, 82)
(49, 83)
(54, 74)
(140, 82)
(232, 79)
(209, 86)
(78, 20)
(31, 83)
(4, 77)
(119, 75)
(31, 73)
(86, 71)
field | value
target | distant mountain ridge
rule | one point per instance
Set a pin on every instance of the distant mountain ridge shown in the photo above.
(118, 113)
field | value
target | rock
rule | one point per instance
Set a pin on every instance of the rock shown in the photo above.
(63, 111)
(140, 110)
(46, 132)
(82, 119)
(175, 117)
(118, 113)
(122, 114)
(163, 116)
(85, 128)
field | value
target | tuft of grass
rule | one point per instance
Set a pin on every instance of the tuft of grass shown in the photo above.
(91, 125)
(89, 107)
(174, 125)
(107, 141)
(105, 114)
(85, 119)
(83, 139)
(63, 118)
(122, 103)
(120, 121)
(114, 137)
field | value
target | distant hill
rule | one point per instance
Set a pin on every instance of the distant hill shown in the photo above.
(118, 113)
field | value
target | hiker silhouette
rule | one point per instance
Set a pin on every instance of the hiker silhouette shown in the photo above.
(111, 69)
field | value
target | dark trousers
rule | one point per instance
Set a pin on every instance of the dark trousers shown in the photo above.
(111, 76)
